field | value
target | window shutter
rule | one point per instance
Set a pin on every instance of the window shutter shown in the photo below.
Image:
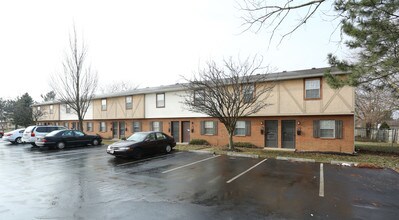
(202, 127)
(139, 125)
(215, 127)
(248, 128)
(99, 126)
(316, 128)
(160, 126)
(151, 126)
(338, 129)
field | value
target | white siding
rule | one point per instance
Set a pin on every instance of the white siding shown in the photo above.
(72, 116)
(173, 107)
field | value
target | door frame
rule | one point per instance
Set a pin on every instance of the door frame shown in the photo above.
(277, 132)
(294, 134)
(182, 131)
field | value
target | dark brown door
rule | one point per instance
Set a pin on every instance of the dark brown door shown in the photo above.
(288, 133)
(176, 130)
(186, 131)
(271, 133)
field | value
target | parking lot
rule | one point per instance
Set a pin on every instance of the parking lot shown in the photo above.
(86, 183)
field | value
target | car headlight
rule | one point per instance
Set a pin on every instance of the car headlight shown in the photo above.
(124, 148)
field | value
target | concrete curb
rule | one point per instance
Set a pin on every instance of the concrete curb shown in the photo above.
(201, 151)
(242, 155)
(344, 163)
(296, 159)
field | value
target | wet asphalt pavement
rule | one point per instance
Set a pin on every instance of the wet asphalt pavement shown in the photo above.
(86, 183)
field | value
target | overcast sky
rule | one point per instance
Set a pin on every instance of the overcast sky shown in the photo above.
(148, 43)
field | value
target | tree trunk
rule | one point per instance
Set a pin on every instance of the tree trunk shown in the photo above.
(231, 143)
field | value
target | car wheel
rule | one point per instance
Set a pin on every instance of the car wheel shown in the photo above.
(60, 145)
(137, 154)
(95, 142)
(18, 140)
(168, 149)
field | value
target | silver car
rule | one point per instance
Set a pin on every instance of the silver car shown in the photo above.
(14, 137)
(32, 132)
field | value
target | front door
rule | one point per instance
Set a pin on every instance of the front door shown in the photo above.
(288, 133)
(271, 133)
(122, 129)
(186, 131)
(115, 129)
(175, 130)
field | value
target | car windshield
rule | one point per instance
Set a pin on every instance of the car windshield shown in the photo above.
(137, 137)
(30, 128)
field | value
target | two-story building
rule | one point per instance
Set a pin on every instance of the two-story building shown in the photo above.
(305, 114)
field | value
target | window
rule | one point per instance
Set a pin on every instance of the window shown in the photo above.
(51, 109)
(161, 100)
(67, 108)
(156, 126)
(38, 108)
(79, 134)
(103, 104)
(103, 126)
(136, 126)
(73, 125)
(248, 92)
(327, 129)
(66, 125)
(151, 137)
(243, 128)
(209, 128)
(312, 88)
(129, 102)
(199, 97)
(160, 136)
(89, 126)
(67, 134)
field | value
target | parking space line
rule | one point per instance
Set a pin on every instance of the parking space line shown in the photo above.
(213, 157)
(143, 160)
(321, 190)
(234, 178)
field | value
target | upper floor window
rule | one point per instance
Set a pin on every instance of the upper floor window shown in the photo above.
(129, 102)
(67, 108)
(160, 100)
(51, 109)
(199, 97)
(38, 108)
(248, 92)
(243, 128)
(312, 88)
(103, 104)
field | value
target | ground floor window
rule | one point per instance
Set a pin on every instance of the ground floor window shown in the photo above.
(89, 126)
(136, 126)
(327, 128)
(243, 128)
(66, 125)
(103, 126)
(208, 127)
(156, 126)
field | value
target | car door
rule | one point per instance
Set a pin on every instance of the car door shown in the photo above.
(150, 144)
(80, 138)
(68, 138)
(162, 141)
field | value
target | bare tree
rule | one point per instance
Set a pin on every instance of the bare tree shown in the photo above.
(118, 86)
(75, 86)
(37, 114)
(229, 92)
(273, 14)
(373, 106)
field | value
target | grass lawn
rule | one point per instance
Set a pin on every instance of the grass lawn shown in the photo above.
(366, 158)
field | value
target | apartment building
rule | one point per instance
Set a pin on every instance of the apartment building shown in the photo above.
(305, 114)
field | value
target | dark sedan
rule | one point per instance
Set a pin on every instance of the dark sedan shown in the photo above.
(142, 143)
(67, 138)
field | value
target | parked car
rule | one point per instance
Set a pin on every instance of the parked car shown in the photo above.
(34, 131)
(67, 138)
(142, 143)
(14, 136)
(1, 134)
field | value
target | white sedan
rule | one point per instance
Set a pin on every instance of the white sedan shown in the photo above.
(14, 136)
